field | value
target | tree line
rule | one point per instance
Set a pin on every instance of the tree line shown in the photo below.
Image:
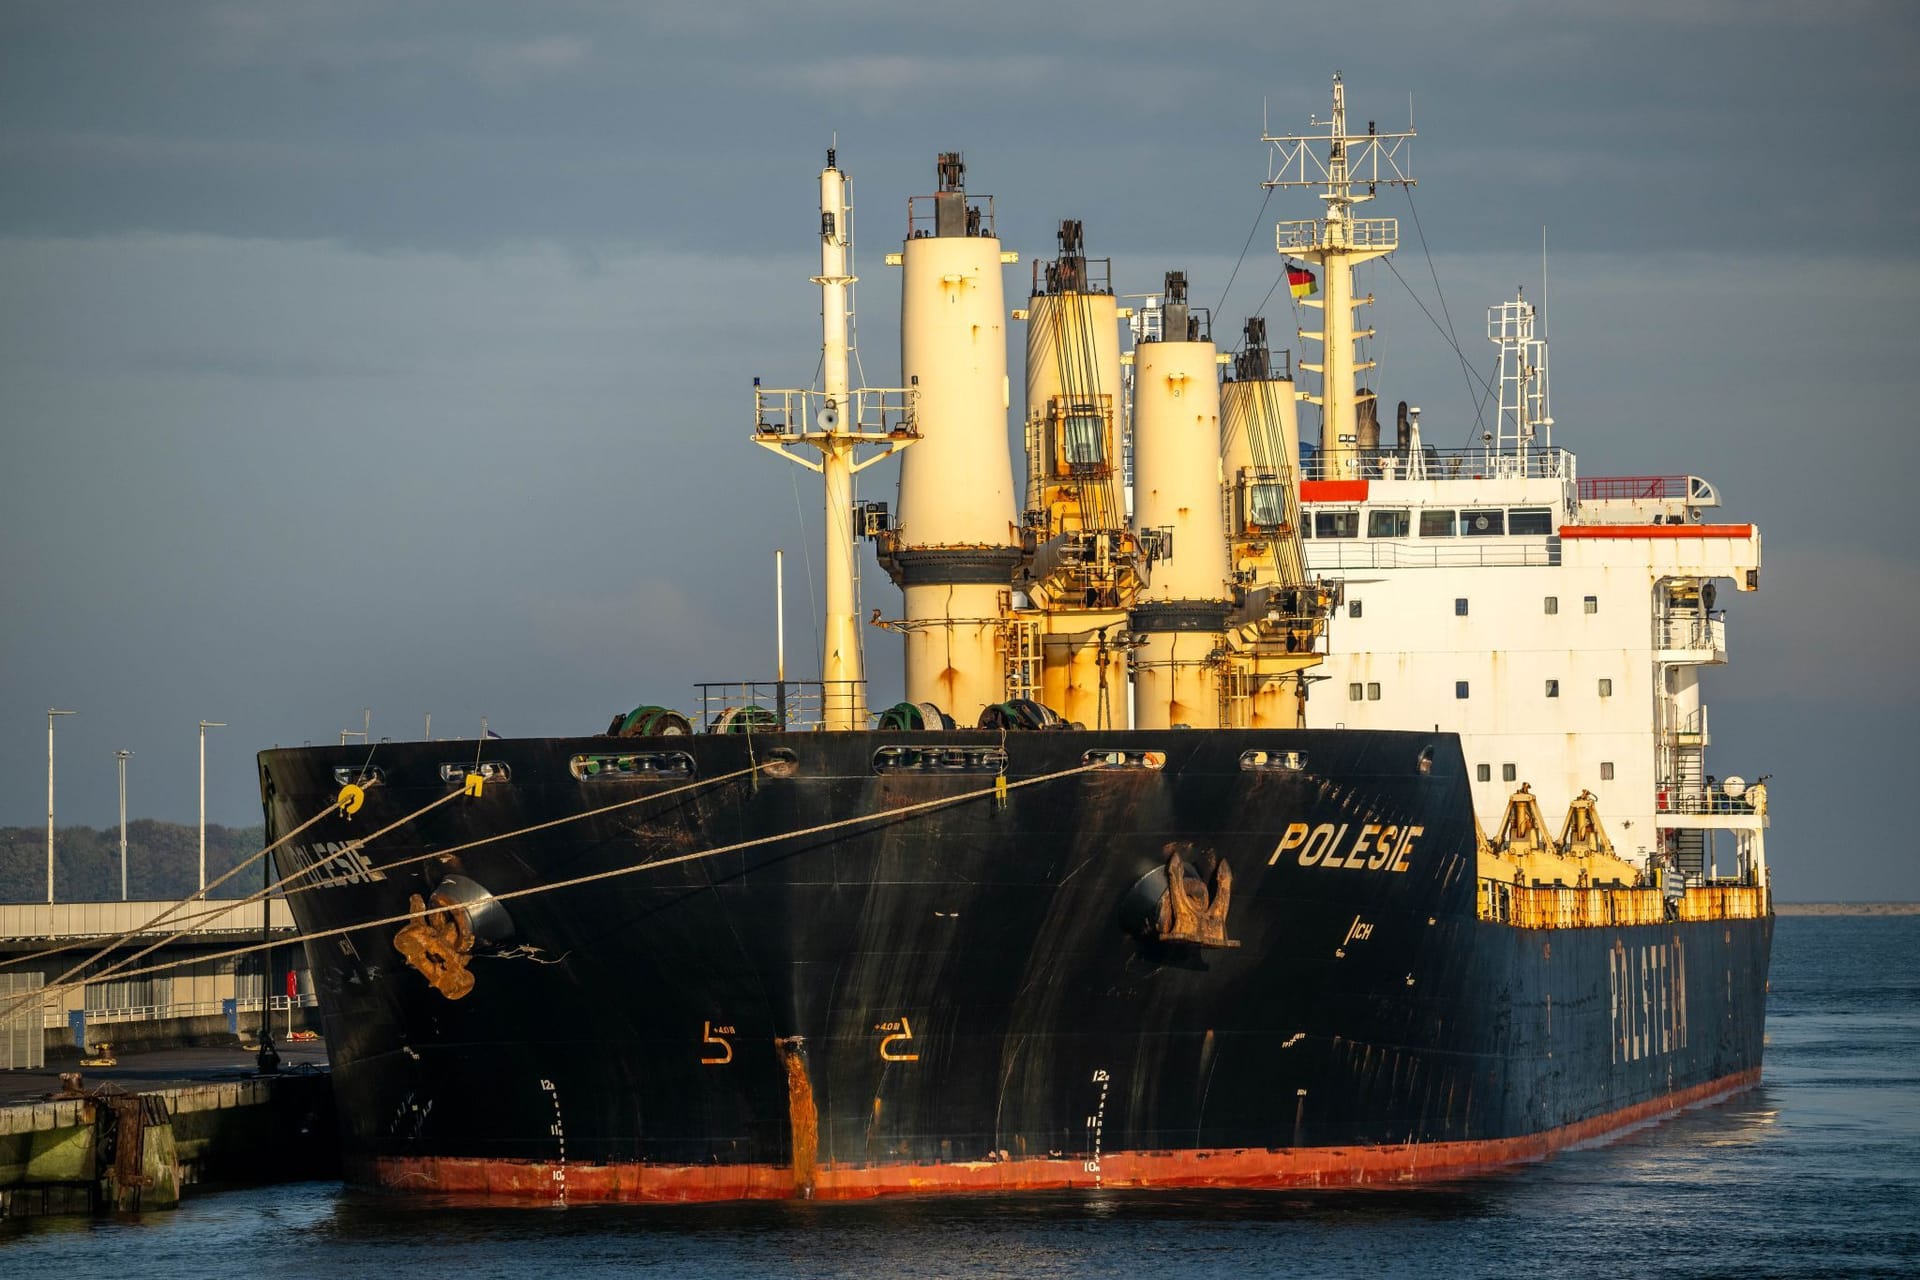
(163, 861)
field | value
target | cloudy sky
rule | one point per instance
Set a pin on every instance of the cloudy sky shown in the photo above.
(385, 356)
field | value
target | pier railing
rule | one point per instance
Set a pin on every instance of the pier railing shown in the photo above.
(178, 1009)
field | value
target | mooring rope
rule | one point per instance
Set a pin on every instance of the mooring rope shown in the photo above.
(119, 969)
(1000, 788)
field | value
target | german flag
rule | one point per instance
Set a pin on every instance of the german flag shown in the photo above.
(1301, 282)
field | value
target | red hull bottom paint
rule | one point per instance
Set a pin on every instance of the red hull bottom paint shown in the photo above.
(534, 1181)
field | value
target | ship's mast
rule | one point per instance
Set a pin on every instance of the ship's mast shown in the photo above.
(1338, 243)
(837, 422)
(1524, 422)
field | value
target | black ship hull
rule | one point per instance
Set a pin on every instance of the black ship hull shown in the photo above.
(853, 964)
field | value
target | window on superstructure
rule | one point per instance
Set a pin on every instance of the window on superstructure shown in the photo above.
(1482, 524)
(1355, 692)
(1508, 773)
(1373, 691)
(1606, 771)
(1336, 524)
(1353, 608)
(1606, 687)
(1460, 606)
(1459, 688)
(1553, 604)
(1553, 688)
(1483, 772)
(1593, 604)
(1530, 520)
(1436, 524)
(1388, 524)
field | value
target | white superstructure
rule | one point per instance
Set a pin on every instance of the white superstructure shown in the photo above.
(1558, 624)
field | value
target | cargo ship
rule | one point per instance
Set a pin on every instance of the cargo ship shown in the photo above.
(1208, 847)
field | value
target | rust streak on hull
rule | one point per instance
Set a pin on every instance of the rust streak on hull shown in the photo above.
(1225, 1167)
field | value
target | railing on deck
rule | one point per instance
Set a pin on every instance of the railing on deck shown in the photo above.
(1700, 799)
(1686, 632)
(762, 706)
(1632, 488)
(1540, 907)
(1442, 464)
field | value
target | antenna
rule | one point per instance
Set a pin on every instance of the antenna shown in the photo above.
(1543, 281)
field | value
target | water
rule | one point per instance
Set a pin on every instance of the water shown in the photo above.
(1815, 1173)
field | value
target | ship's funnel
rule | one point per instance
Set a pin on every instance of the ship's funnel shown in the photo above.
(956, 544)
(1366, 434)
(1177, 517)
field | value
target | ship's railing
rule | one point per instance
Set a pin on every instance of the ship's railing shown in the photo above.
(1700, 799)
(1303, 234)
(1355, 553)
(1684, 632)
(761, 705)
(1550, 463)
(1632, 488)
(790, 413)
(1550, 907)
(922, 216)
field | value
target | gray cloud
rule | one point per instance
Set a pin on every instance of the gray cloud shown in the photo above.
(355, 355)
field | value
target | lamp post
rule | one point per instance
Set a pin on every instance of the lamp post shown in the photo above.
(204, 726)
(121, 756)
(51, 713)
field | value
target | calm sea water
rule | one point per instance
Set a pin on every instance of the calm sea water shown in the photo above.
(1815, 1173)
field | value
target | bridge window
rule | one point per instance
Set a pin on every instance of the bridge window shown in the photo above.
(1387, 524)
(1336, 524)
(1436, 524)
(1530, 520)
(1482, 524)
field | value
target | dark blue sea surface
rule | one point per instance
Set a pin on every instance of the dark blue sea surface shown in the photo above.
(1814, 1173)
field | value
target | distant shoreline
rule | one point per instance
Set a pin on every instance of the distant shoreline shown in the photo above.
(1846, 908)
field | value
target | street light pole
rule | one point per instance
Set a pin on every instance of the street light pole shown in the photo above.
(204, 726)
(121, 756)
(51, 713)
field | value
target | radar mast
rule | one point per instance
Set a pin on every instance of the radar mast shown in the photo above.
(1338, 243)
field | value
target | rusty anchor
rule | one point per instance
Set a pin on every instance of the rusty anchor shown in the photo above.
(438, 944)
(1192, 910)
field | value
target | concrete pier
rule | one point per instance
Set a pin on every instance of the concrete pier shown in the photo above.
(135, 1136)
